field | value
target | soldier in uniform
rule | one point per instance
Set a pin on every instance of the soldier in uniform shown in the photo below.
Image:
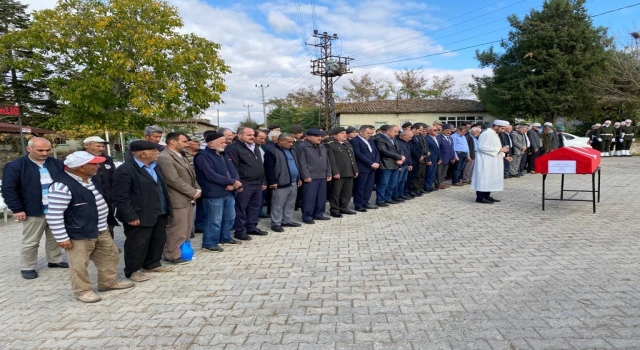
(616, 142)
(605, 135)
(593, 135)
(343, 169)
(627, 135)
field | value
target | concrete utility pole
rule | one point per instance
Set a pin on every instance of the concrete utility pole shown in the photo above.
(248, 111)
(264, 105)
(328, 67)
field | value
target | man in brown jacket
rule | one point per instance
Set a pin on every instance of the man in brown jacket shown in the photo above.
(183, 190)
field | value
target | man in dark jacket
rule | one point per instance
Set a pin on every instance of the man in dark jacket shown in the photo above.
(142, 204)
(25, 186)
(390, 158)
(368, 161)
(343, 169)
(401, 192)
(219, 182)
(315, 172)
(419, 154)
(433, 160)
(447, 155)
(472, 140)
(283, 178)
(104, 177)
(247, 159)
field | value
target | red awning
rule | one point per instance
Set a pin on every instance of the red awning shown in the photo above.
(13, 129)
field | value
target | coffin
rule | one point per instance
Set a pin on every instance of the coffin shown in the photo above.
(569, 160)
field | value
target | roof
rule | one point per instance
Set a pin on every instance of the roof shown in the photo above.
(14, 129)
(192, 121)
(410, 106)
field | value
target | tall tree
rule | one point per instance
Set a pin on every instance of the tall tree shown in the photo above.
(442, 88)
(301, 107)
(546, 68)
(124, 64)
(412, 82)
(366, 89)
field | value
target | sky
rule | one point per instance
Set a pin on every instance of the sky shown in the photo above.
(264, 43)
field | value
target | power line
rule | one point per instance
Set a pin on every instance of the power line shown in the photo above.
(618, 9)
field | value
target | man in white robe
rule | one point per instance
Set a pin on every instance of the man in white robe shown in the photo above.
(488, 171)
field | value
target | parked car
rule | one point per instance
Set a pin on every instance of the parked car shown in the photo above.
(575, 141)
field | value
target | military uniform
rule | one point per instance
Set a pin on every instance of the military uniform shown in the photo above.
(628, 136)
(343, 163)
(593, 135)
(616, 143)
(606, 134)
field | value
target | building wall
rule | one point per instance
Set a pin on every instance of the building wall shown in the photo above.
(378, 120)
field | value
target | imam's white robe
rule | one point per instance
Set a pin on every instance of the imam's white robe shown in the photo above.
(488, 170)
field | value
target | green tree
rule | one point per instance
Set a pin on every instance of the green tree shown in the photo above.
(547, 65)
(412, 83)
(366, 89)
(248, 122)
(301, 107)
(123, 63)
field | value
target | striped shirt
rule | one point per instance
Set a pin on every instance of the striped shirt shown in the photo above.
(59, 199)
(45, 182)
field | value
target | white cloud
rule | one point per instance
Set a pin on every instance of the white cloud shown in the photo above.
(281, 23)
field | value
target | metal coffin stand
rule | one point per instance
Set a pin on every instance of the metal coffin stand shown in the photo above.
(595, 191)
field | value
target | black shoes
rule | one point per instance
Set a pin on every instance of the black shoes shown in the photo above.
(62, 265)
(215, 249)
(381, 204)
(242, 236)
(199, 230)
(322, 218)
(178, 261)
(232, 241)
(264, 216)
(370, 206)
(291, 224)
(362, 210)
(335, 215)
(309, 222)
(277, 228)
(491, 199)
(348, 212)
(29, 274)
(392, 202)
(258, 232)
(483, 201)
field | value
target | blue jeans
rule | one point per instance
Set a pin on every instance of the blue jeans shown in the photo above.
(387, 182)
(402, 180)
(220, 214)
(459, 167)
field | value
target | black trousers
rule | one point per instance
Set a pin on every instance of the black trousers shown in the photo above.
(340, 194)
(415, 179)
(627, 145)
(248, 203)
(314, 198)
(605, 146)
(143, 246)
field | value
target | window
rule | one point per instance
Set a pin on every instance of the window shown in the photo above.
(379, 124)
(459, 120)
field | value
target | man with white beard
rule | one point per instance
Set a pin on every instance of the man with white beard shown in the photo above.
(489, 166)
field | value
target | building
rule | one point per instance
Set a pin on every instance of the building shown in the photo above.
(398, 112)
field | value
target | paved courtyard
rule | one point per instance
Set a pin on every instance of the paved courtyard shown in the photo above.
(438, 272)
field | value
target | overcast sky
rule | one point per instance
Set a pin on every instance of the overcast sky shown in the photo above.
(264, 42)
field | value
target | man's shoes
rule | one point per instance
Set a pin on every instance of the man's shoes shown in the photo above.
(263, 216)
(491, 199)
(199, 230)
(178, 261)
(370, 206)
(29, 274)
(193, 235)
(119, 285)
(397, 199)
(335, 215)
(348, 212)
(309, 222)
(242, 236)
(458, 184)
(258, 232)
(392, 202)
(422, 191)
(232, 241)
(161, 269)
(382, 204)
(532, 172)
(216, 249)
(62, 265)
(139, 276)
(406, 198)
(483, 201)
(362, 210)
(441, 187)
(290, 224)
(277, 228)
(89, 297)
(322, 218)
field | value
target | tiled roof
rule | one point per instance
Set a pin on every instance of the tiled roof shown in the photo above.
(410, 106)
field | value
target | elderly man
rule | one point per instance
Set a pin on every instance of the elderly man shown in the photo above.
(368, 161)
(315, 172)
(419, 154)
(104, 177)
(433, 160)
(220, 182)
(272, 139)
(549, 139)
(391, 158)
(142, 204)
(535, 148)
(344, 169)
(283, 178)
(472, 142)
(247, 159)
(519, 140)
(401, 192)
(25, 188)
(260, 139)
(193, 147)
(447, 155)
(488, 169)
(463, 154)
(627, 134)
(183, 190)
(78, 219)
(152, 134)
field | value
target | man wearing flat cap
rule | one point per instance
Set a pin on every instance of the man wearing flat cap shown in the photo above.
(488, 170)
(315, 172)
(142, 204)
(343, 170)
(351, 133)
(104, 177)
(298, 133)
(78, 219)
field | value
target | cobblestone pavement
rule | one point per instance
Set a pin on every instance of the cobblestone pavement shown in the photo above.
(438, 272)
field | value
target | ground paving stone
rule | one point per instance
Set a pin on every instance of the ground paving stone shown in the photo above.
(437, 272)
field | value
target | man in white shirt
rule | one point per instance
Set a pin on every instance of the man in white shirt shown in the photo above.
(489, 166)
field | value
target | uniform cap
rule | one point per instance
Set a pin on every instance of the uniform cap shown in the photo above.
(336, 130)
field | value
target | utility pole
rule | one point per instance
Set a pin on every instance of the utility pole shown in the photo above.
(248, 111)
(327, 67)
(264, 105)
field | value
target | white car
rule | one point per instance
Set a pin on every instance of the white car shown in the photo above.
(575, 141)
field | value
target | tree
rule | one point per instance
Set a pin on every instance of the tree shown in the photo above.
(442, 89)
(248, 122)
(412, 82)
(301, 107)
(366, 89)
(547, 66)
(620, 80)
(22, 70)
(124, 64)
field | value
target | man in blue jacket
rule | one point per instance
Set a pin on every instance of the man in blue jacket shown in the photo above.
(368, 161)
(432, 160)
(447, 155)
(25, 186)
(219, 182)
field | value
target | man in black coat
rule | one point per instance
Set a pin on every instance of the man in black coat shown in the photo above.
(391, 158)
(142, 204)
(419, 154)
(104, 177)
(343, 170)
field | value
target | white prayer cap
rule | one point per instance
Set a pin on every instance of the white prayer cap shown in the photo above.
(499, 122)
(536, 124)
(628, 121)
(607, 121)
(548, 124)
(598, 124)
(616, 123)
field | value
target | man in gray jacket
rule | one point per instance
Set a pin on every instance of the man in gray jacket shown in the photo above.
(519, 140)
(535, 150)
(283, 178)
(315, 171)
